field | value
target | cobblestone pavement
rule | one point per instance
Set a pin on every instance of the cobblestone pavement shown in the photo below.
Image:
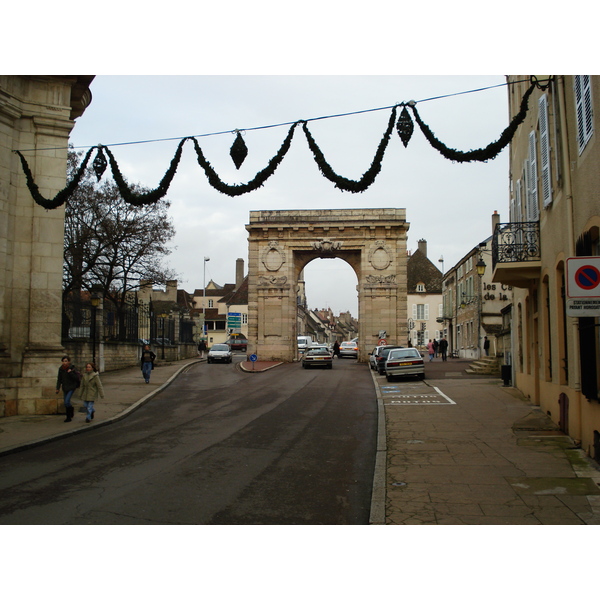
(466, 450)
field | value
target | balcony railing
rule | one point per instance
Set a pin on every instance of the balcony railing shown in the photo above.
(516, 242)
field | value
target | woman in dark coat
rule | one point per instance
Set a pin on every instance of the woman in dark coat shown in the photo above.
(68, 379)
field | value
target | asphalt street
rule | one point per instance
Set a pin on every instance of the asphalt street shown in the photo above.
(290, 446)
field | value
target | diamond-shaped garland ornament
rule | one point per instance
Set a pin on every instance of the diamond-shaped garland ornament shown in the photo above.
(238, 151)
(99, 163)
(405, 127)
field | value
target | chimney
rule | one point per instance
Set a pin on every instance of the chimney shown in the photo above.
(239, 272)
(495, 221)
(423, 247)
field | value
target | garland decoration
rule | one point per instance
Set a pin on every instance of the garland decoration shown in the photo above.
(350, 185)
(239, 151)
(482, 154)
(153, 195)
(64, 194)
(259, 179)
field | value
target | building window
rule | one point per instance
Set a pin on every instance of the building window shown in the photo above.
(244, 318)
(585, 113)
(533, 213)
(210, 304)
(421, 312)
(420, 287)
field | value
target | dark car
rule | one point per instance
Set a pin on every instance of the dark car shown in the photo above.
(238, 344)
(382, 357)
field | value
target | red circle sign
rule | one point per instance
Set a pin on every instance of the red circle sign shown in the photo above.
(382, 342)
(587, 277)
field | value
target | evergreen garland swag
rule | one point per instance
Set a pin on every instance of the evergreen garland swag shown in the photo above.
(344, 184)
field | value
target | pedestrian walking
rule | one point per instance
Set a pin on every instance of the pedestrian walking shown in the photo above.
(435, 348)
(147, 363)
(486, 346)
(430, 350)
(444, 348)
(68, 378)
(201, 348)
(336, 348)
(91, 390)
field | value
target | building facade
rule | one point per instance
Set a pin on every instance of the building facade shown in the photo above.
(554, 215)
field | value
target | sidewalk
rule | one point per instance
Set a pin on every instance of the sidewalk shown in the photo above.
(462, 449)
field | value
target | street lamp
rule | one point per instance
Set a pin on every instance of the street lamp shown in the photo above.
(95, 301)
(206, 259)
(163, 316)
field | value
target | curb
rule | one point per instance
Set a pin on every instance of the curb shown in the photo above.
(378, 495)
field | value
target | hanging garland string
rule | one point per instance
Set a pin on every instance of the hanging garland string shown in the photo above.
(259, 179)
(350, 185)
(152, 196)
(482, 154)
(64, 194)
(344, 184)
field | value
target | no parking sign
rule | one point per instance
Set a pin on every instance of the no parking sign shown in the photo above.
(583, 286)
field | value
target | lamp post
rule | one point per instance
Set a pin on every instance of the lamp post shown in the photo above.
(163, 316)
(206, 259)
(95, 300)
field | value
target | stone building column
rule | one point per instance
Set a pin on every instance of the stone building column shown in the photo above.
(36, 116)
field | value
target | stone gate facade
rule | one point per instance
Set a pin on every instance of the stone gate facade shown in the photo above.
(282, 243)
(37, 114)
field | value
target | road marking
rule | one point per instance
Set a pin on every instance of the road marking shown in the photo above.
(393, 397)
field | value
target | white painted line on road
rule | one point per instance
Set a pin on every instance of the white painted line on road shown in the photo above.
(443, 395)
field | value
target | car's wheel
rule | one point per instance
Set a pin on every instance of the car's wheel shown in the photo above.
(389, 377)
(422, 376)
(330, 366)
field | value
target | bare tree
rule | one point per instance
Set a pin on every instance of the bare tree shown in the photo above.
(113, 244)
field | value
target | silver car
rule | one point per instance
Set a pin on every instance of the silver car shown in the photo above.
(348, 350)
(402, 362)
(219, 353)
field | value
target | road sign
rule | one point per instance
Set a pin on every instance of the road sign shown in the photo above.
(253, 358)
(583, 307)
(583, 277)
(382, 342)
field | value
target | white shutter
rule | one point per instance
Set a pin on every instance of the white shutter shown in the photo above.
(545, 151)
(583, 107)
(533, 213)
(415, 312)
(427, 312)
(440, 310)
(518, 216)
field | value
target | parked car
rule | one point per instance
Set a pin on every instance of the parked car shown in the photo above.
(322, 347)
(382, 356)
(219, 353)
(402, 362)
(373, 357)
(317, 357)
(348, 350)
(238, 344)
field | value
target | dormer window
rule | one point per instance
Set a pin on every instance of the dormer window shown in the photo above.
(420, 287)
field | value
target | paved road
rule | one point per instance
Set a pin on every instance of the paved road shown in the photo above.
(288, 446)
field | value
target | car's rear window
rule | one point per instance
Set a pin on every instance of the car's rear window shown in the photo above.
(221, 347)
(404, 353)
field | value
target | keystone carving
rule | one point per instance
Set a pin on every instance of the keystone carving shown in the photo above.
(326, 245)
(381, 279)
(272, 280)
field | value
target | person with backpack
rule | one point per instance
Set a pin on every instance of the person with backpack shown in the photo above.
(91, 390)
(69, 379)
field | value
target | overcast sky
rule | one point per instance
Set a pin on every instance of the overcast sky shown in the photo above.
(448, 204)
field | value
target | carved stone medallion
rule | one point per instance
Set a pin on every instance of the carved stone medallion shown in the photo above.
(273, 257)
(379, 256)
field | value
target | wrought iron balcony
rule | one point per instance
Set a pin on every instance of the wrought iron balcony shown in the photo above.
(516, 252)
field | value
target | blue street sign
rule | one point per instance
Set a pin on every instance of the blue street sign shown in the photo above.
(253, 357)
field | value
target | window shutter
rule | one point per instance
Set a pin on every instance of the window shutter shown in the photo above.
(545, 151)
(584, 110)
(518, 216)
(414, 312)
(427, 312)
(533, 213)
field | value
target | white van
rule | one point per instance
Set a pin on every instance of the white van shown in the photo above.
(304, 342)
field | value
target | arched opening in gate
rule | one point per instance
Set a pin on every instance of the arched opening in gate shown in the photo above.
(331, 284)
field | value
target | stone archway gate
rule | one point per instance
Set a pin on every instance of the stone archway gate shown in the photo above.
(282, 243)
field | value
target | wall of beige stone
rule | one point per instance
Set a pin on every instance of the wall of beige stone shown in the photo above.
(36, 116)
